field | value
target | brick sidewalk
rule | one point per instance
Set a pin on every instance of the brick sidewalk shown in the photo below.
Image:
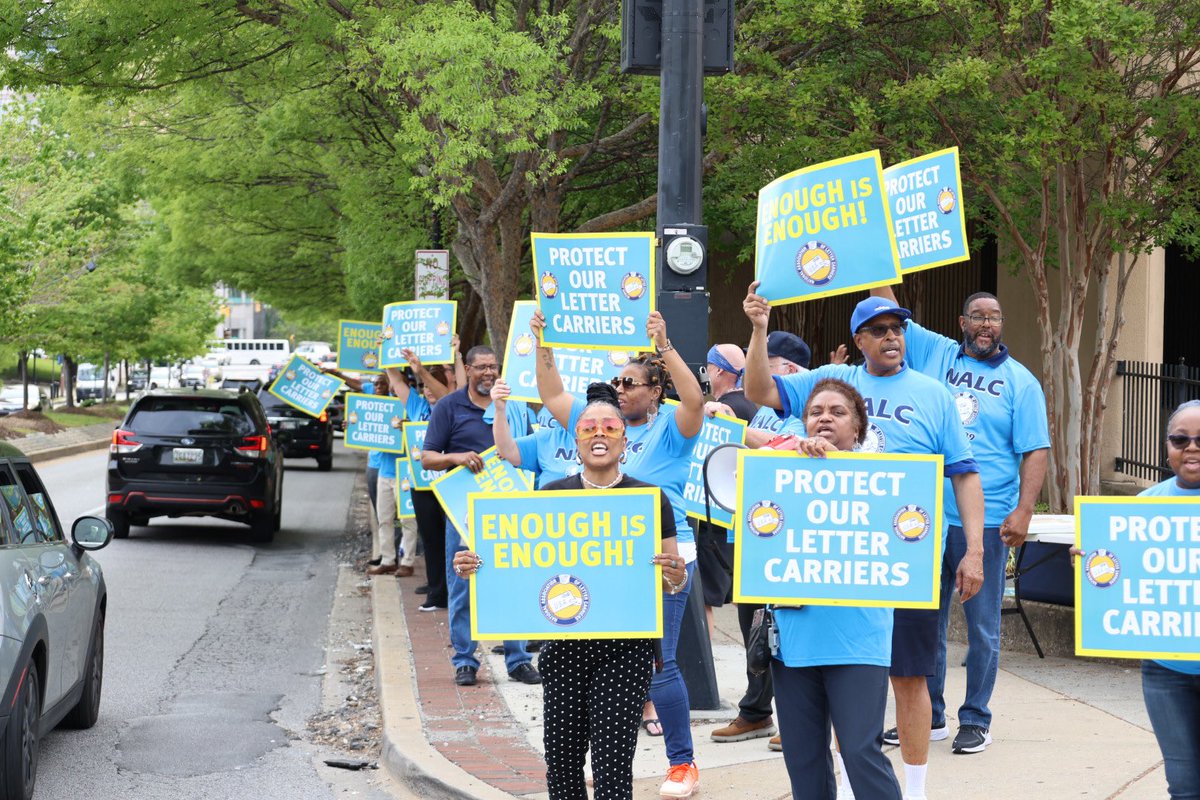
(470, 726)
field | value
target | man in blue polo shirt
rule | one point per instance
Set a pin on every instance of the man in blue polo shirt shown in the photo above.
(456, 436)
(908, 413)
(1003, 409)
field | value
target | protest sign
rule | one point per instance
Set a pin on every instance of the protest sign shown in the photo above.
(374, 422)
(596, 290)
(577, 368)
(496, 477)
(432, 276)
(924, 196)
(570, 564)
(825, 230)
(305, 387)
(426, 328)
(851, 529)
(414, 441)
(1136, 589)
(404, 487)
(716, 430)
(358, 345)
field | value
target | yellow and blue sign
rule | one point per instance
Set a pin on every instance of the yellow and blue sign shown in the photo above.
(596, 290)
(404, 490)
(825, 230)
(851, 529)
(303, 386)
(566, 565)
(576, 367)
(358, 345)
(374, 422)
(496, 477)
(414, 442)
(1136, 592)
(924, 196)
(426, 327)
(717, 430)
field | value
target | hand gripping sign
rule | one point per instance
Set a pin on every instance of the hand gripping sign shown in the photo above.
(929, 223)
(303, 386)
(825, 230)
(1137, 585)
(565, 565)
(426, 328)
(576, 367)
(358, 345)
(596, 290)
(851, 529)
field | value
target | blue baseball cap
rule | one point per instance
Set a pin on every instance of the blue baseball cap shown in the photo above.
(789, 346)
(874, 307)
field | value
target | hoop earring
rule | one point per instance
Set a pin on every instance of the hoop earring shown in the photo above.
(623, 457)
(578, 458)
(651, 415)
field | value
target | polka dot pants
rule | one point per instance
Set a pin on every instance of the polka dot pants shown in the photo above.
(593, 691)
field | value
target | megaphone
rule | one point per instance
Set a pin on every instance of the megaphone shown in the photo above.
(720, 475)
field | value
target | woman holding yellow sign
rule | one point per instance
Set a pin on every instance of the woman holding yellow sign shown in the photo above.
(593, 688)
(661, 440)
(832, 664)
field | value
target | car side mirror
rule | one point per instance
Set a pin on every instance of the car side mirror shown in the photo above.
(91, 533)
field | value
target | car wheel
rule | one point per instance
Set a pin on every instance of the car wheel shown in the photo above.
(325, 463)
(263, 527)
(120, 524)
(20, 754)
(140, 521)
(87, 710)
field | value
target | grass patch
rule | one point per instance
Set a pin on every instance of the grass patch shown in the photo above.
(106, 412)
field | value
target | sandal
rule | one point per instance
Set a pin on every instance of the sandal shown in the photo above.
(658, 728)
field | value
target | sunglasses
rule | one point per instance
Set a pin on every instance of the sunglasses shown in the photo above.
(880, 331)
(628, 383)
(611, 427)
(1180, 440)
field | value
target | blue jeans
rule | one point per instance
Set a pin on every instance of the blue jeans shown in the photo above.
(667, 688)
(983, 629)
(460, 614)
(1173, 703)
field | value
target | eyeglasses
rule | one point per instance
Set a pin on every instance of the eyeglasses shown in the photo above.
(1180, 440)
(991, 319)
(628, 383)
(880, 331)
(485, 367)
(611, 427)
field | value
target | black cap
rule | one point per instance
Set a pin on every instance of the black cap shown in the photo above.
(789, 346)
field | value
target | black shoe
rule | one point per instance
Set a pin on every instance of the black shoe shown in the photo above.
(497, 649)
(971, 739)
(374, 562)
(465, 676)
(422, 589)
(525, 673)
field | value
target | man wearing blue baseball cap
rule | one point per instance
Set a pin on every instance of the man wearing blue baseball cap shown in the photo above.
(1003, 409)
(907, 413)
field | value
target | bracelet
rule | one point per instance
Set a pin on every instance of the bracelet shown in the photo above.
(676, 587)
(666, 349)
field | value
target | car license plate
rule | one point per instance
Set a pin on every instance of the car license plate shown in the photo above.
(289, 424)
(187, 455)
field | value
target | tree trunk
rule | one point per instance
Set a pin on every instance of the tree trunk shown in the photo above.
(68, 380)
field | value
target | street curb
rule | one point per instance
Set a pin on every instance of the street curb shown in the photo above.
(62, 452)
(407, 753)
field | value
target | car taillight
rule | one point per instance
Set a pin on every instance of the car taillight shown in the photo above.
(253, 446)
(323, 418)
(123, 442)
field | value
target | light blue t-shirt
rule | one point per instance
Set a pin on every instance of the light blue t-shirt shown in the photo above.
(1000, 404)
(1171, 488)
(816, 636)
(549, 452)
(660, 455)
(416, 408)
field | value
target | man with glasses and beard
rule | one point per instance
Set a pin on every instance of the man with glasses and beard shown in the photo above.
(907, 412)
(459, 430)
(1003, 409)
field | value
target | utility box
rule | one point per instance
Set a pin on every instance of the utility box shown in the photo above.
(641, 37)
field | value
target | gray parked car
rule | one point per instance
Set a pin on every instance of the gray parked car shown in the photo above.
(52, 607)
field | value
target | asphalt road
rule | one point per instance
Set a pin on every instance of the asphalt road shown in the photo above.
(215, 650)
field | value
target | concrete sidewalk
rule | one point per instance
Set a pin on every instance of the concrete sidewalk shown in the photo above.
(45, 446)
(1064, 727)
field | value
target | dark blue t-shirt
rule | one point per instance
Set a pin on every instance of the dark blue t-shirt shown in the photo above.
(456, 425)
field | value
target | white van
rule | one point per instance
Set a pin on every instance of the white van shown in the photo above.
(90, 380)
(257, 351)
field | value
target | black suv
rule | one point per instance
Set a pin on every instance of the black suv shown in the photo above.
(300, 435)
(195, 452)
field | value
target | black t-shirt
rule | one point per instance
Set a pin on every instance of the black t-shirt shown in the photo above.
(665, 511)
(743, 409)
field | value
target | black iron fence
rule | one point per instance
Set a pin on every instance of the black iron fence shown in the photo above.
(1151, 392)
